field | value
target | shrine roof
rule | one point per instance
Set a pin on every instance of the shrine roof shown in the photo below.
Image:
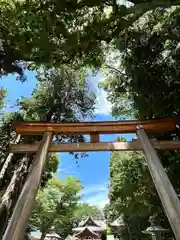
(71, 237)
(89, 221)
(51, 235)
(88, 230)
(91, 228)
(118, 222)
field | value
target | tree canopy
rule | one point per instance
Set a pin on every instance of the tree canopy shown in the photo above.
(133, 194)
(58, 207)
(148, 72)
(73, 32)
(2, 97)
(55, 205)
(85, 210)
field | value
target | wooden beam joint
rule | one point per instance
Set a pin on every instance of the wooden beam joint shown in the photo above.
(94, 137)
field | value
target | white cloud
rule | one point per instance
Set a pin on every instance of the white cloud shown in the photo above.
(96, 194)
(69, 170)
(103, 106)
(99, 199)
(94, 188)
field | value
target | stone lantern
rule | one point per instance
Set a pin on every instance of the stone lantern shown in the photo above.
(155, 230)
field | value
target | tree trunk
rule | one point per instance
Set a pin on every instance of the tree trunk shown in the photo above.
(43, 235)
(129, 231)
(7, 161)
(9, 198)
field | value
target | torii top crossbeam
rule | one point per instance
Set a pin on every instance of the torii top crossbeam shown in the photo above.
(130, 126)
(94, 129)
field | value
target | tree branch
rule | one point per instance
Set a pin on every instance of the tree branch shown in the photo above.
(150, 5)
(116, 70)
(137, 11)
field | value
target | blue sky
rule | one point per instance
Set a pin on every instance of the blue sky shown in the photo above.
(93, 171)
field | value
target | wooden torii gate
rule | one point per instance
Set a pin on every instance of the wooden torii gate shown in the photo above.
(167, 194)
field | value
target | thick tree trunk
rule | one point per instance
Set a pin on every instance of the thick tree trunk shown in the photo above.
(7, 161)
(9, 198)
